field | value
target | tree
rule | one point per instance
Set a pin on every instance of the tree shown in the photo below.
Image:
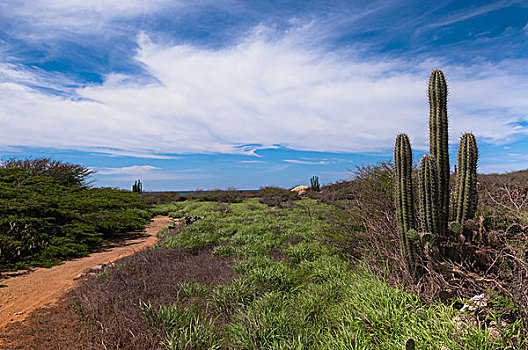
(64, 173)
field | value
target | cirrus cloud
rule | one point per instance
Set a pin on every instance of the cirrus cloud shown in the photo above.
(267, 90)
(128, 170)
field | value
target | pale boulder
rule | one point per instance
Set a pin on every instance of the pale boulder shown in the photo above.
(301, 190)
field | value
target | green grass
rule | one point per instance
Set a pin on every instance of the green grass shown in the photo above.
(292, 291)
(181, 209)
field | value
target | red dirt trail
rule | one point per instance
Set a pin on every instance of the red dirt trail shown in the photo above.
(41, 287)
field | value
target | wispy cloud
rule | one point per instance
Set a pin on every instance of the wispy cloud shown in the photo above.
(150, 173)
(55, 17)
(501, 168)
(55, 83)
(307, 162)
(120, 153)
(269, 89)
(163, 176)
(472, 12)
(128, 170)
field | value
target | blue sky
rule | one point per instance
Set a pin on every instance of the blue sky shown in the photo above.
(216, 94)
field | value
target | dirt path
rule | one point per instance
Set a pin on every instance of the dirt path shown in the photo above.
(43, 287)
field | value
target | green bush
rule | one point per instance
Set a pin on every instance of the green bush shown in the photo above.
(45, 218)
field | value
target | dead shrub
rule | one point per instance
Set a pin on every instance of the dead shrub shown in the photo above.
(109, 302)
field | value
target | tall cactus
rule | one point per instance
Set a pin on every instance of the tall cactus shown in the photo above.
(434, 177)
(429, 200)
(438, 140)
(466, 192)
(404, 191)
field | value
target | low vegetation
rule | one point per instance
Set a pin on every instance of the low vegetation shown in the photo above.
(269, 270)
(50, 213)
(275, 278)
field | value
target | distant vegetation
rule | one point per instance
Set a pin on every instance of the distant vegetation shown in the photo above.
(268, 195)
(49, 212)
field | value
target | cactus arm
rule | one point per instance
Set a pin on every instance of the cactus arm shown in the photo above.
(429, 200)
(466, 193)
(403, 191)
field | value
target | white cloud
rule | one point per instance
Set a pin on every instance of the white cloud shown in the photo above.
(156, 176)
(501, 168)
(86, 16)
(306, 162)
(128, 170)
(34, 77)
(150, 173)
(489, 100)
(118, 153)
(264, 91)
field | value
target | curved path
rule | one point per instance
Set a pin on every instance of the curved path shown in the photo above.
(42, 287)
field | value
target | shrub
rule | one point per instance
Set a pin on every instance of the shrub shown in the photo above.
(275, 196)
(47, 216)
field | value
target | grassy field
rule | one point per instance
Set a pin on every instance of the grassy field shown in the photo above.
(288, 289)
(268, 269)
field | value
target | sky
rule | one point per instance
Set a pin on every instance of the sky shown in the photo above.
(199, 94)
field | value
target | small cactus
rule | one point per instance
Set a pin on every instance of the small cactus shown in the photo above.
(466, 191)
(137, 187)
(314, 184)
(404, 192)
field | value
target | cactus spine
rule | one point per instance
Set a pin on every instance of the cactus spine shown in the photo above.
(438, 140)
(314, 183)
(466, 192)
(403, 192)
(429, 200)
